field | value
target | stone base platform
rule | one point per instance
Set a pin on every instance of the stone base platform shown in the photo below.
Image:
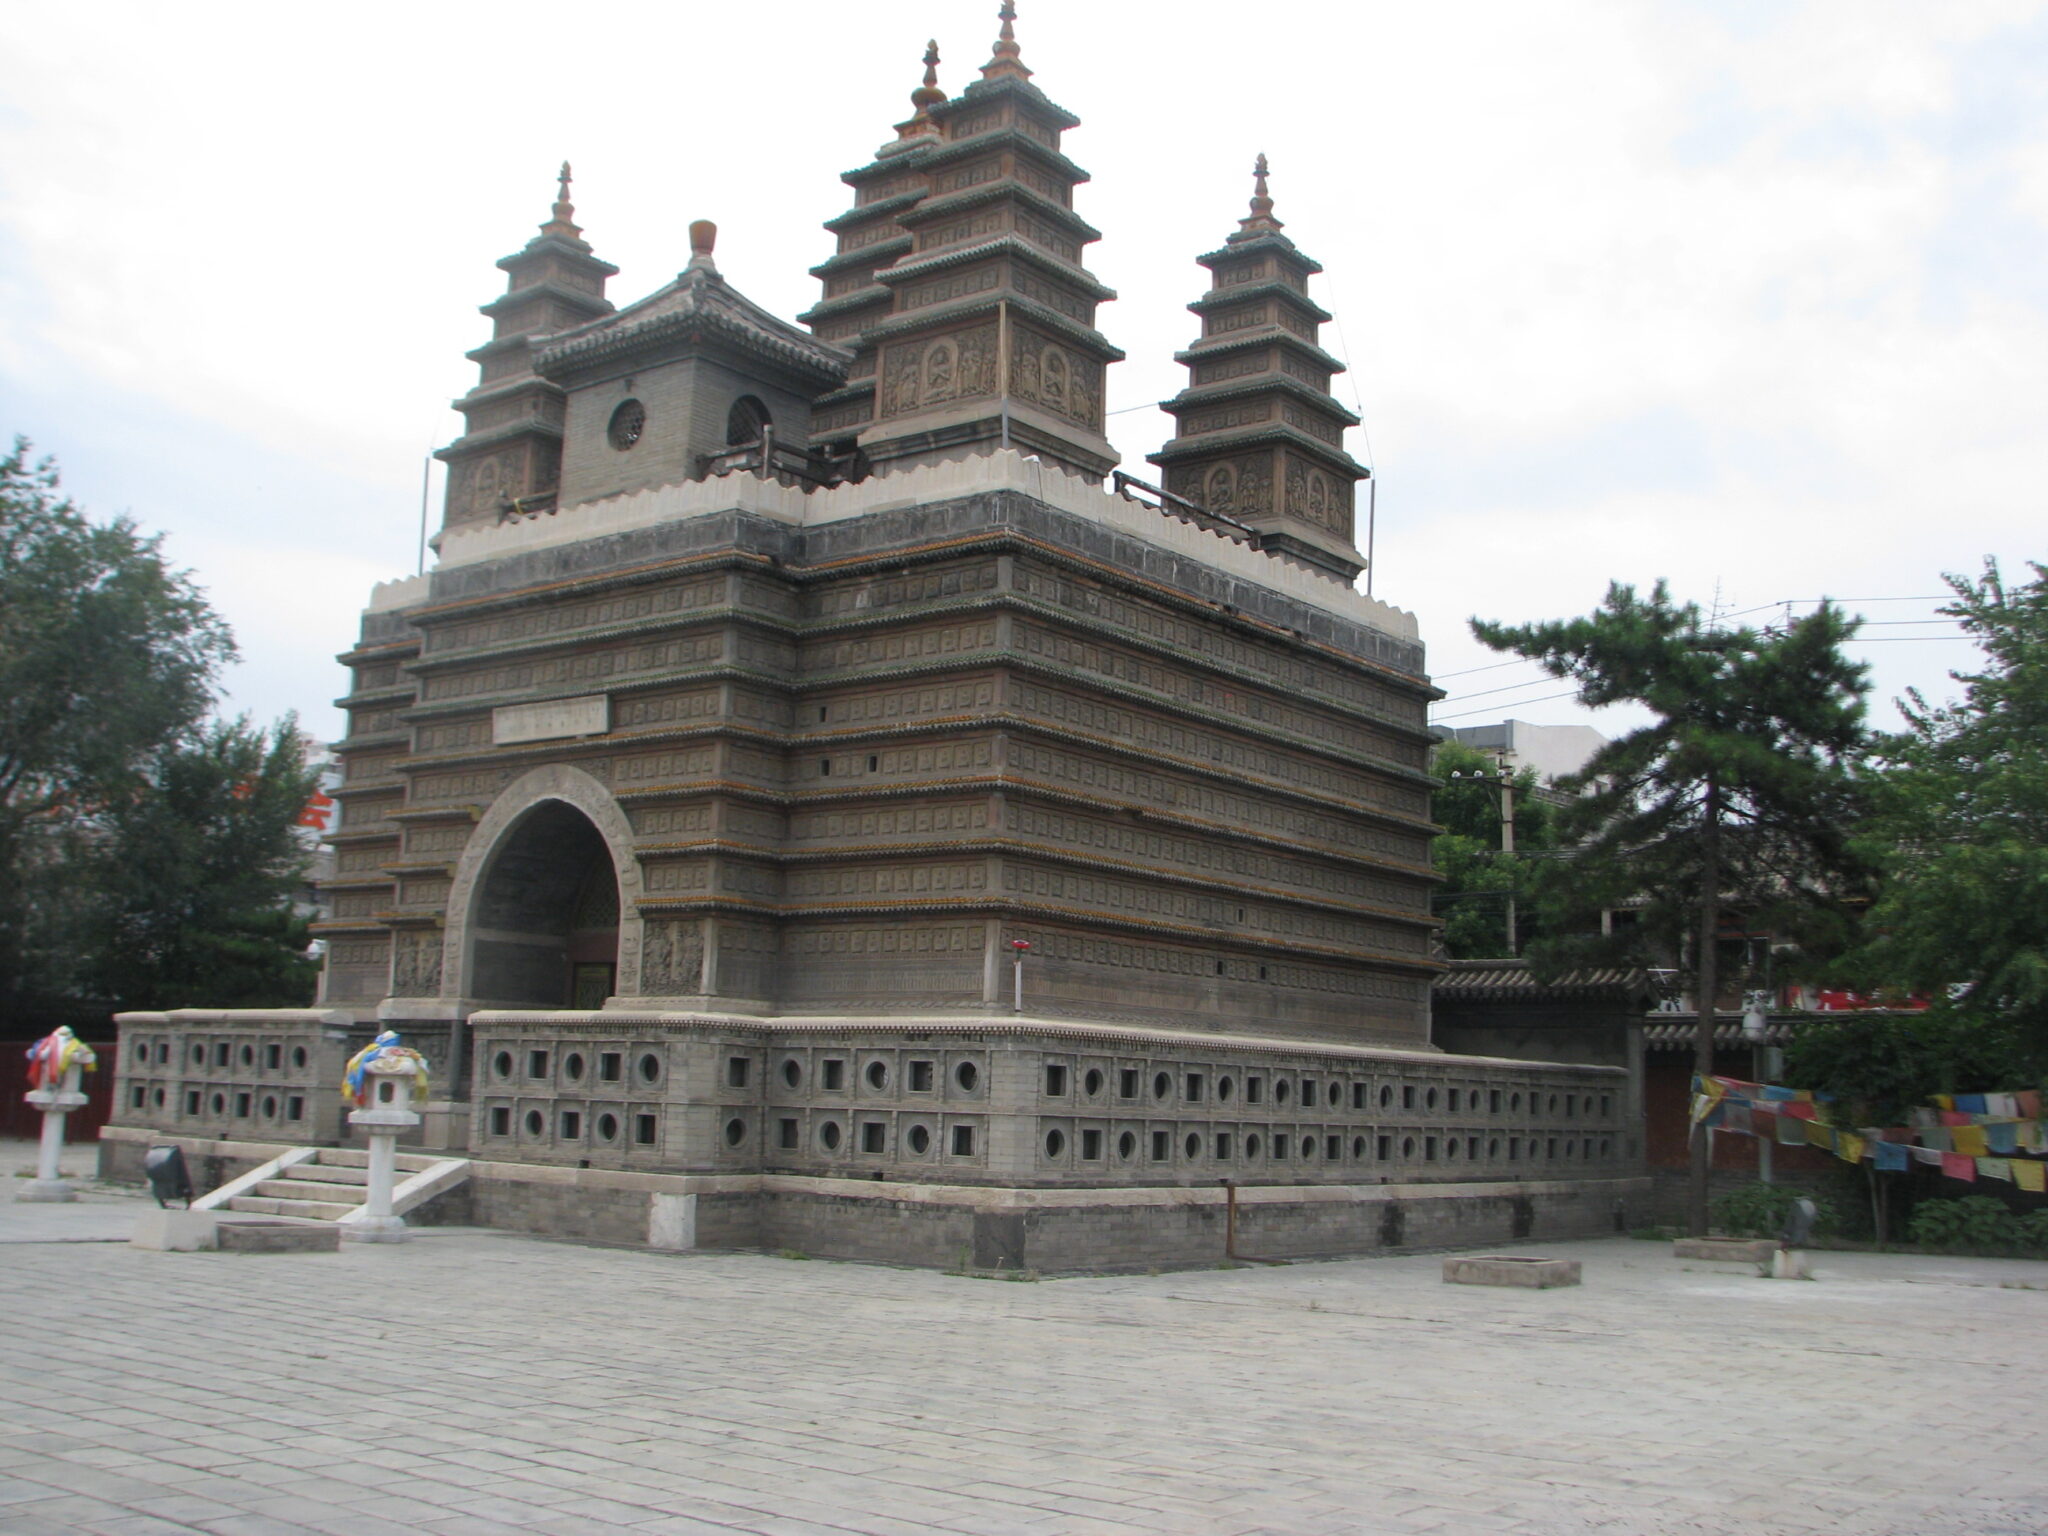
(950, 1226)
(1525, 1272)
(1725, 1250)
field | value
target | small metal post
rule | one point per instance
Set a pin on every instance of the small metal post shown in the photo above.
(1019, 948)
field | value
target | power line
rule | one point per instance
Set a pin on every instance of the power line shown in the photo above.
(1545, 699)
(1519, 661)
(1534, 682)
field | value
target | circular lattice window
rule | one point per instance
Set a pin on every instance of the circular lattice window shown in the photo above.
(629, 421)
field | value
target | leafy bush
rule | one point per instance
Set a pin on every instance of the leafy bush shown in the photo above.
(1759, 1210)
(1974, 1224)
(2033, 1230)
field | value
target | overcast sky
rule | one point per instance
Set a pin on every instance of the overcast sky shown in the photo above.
(1748, 296)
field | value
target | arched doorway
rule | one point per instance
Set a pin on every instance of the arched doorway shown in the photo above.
(545, 925)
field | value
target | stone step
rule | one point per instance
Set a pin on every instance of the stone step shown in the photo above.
(310, 1189)
(272, 1205)
(328, 1173)
(359, 1157)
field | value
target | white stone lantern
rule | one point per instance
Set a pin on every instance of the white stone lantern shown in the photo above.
(55, 1064)
(384, 1080)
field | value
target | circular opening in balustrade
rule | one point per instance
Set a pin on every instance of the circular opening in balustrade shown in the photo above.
(627, 426)
(920, 1139)
(735, 1131)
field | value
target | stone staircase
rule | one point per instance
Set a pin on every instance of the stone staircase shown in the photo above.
(329, 1184)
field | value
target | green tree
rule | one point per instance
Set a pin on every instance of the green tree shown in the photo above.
(1960, 833)
(109, 660)
(201, 873)
(1482, 881)
(1739, 791)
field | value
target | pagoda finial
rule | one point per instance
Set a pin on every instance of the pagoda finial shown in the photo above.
(564, 221)
(1261, 220)
(1007, 61)
(925, 97)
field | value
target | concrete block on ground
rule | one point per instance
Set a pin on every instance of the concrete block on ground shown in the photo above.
(1528, 1272)
(1729, 1250)
(277, 1237)
(165, 1231)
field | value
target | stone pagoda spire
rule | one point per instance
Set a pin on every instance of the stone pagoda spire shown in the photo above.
(870, 237)
(511, 449)
(970, 314)
(1258, 435)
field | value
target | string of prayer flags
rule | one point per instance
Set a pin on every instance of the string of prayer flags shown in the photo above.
(1994, 1168)
(1956, 1166)
(2030, 1176)
(1890, 1157)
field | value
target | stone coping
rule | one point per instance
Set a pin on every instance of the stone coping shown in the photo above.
(923, 485)
(610, 1020)
(991, 1197)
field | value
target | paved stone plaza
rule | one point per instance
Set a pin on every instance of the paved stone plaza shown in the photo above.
(471, 1382)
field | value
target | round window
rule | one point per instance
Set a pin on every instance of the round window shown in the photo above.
(1055, 1143)
(649, 1067)
(298, 1055)
(628, 424)
(1162, 1085)
(1429, 1099)
(792, 1072)
(1386, 1096)
(607, 1127)
(920, 1139)
(1091, 1082)
(878, 1075)
(1358, 1146)
(572, 1066)
(535, 1124)
(198, 1055)
(141, 1051)
(1282, 1091)
(966, 1075)
(1251, 1146)
(1225, 1088)
(1126, 1146)
(828, 1135)
(735, 1131)
(501, 1064)
(220, 1103)
(159, 1099)
(269, 1107)
(1193, 1145)
(248, 1055)
(1407, 1146)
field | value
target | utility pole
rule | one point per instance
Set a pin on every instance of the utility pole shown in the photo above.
(1505, 778)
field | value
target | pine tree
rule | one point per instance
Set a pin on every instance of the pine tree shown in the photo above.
(1740, 790)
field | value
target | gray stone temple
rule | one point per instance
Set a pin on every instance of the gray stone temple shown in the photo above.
(814, 801)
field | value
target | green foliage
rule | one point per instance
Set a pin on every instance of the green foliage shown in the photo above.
(1977, 1224)
(203, 872)
(1479, 877)
(147, 858)
(1960, 827)
(1879, 1065)
(1739, 790)
(1759, 1210)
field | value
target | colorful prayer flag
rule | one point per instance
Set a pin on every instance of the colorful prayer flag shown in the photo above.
(1956, 1166)
(2031, 1176)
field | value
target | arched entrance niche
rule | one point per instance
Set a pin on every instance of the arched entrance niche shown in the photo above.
(543, 910)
